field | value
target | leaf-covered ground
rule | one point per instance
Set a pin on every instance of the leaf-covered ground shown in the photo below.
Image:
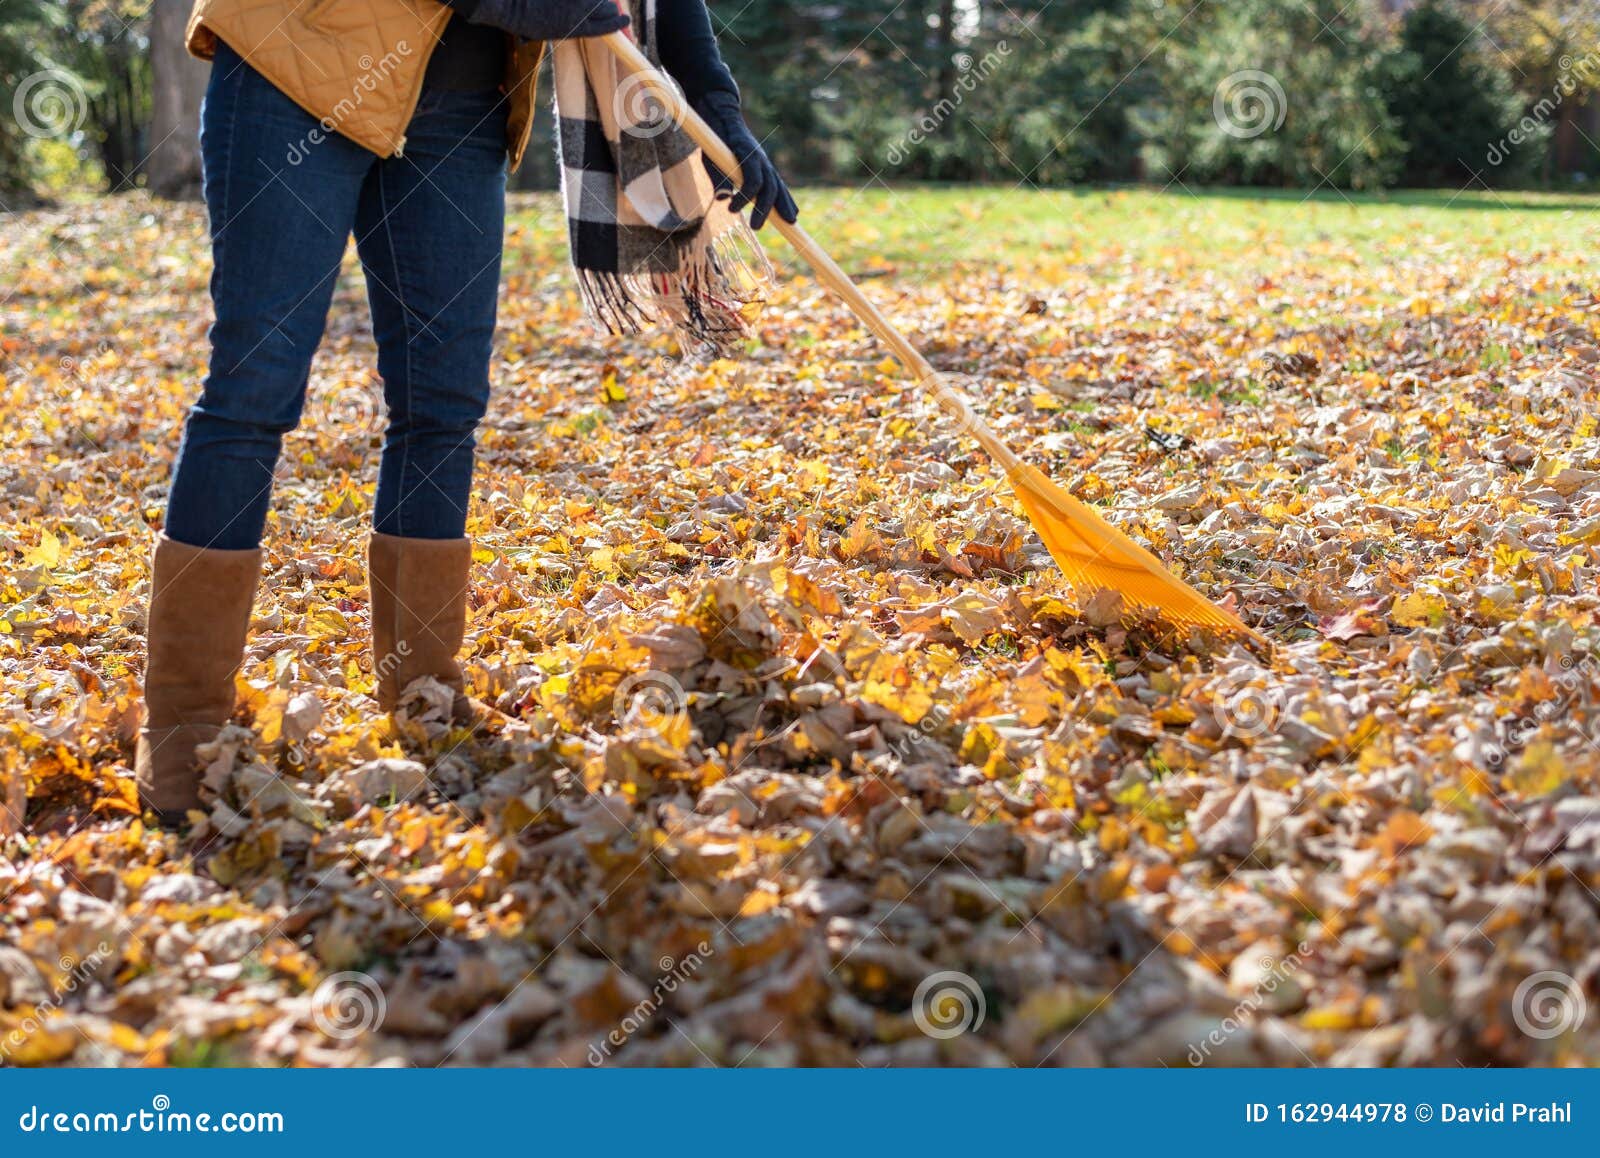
(809, 754)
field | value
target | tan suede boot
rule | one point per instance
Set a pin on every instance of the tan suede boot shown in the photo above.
(199, 613)
(419, 614)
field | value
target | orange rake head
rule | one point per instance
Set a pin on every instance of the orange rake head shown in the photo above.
(1094, 555)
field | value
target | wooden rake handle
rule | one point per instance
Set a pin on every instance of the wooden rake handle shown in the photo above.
(826, 269)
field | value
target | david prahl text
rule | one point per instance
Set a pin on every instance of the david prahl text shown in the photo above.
(1521, 1113)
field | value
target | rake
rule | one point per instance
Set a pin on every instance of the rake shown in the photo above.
(1093, 554)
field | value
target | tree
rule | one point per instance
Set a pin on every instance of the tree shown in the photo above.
(1077, 72)
(1458, 114)
(41, 98)
(1259, 92)
(178, 82)
(110, 47)
(1551, 48)
(785, 54)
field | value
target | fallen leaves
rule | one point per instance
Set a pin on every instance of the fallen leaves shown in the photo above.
(797, 714)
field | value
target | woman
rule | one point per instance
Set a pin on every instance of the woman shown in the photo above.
(392, 120)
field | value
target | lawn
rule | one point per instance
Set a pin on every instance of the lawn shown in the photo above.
(810, 755)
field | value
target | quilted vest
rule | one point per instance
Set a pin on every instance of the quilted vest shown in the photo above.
(356, 65)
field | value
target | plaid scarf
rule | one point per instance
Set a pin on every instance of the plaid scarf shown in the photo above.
(650, 240)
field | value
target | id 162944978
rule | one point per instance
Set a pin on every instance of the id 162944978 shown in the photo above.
(1446, 1113)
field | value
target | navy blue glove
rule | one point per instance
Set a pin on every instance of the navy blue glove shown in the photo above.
(544, 19)
(763, 190)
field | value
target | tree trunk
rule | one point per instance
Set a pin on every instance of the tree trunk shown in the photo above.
(178, 81)
(947, 41)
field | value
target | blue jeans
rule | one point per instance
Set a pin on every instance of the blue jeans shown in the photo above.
(284, 195)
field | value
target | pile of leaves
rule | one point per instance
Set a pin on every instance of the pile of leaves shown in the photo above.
(804, 753)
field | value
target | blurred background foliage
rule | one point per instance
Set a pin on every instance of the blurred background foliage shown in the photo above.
(1311, 94)
(75, 95)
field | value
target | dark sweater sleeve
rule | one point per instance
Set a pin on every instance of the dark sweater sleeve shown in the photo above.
(687, 45)
(689, 51)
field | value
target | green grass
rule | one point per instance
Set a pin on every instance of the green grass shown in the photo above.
(927, 228)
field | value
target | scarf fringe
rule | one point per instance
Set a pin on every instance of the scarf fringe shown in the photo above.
(707, 300)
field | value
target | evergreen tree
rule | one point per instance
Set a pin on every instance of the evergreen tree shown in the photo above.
(1458, 114)
(1257, 92)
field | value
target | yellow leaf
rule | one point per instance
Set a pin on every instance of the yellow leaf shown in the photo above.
(1419, 609)
(325, 621)
(1405, 830)
(860, 539)
(1539, 772)
(46, 554)
(890, 684)
(810, 594)
(37, 1042)
(1331, 1017)
(758, 901)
